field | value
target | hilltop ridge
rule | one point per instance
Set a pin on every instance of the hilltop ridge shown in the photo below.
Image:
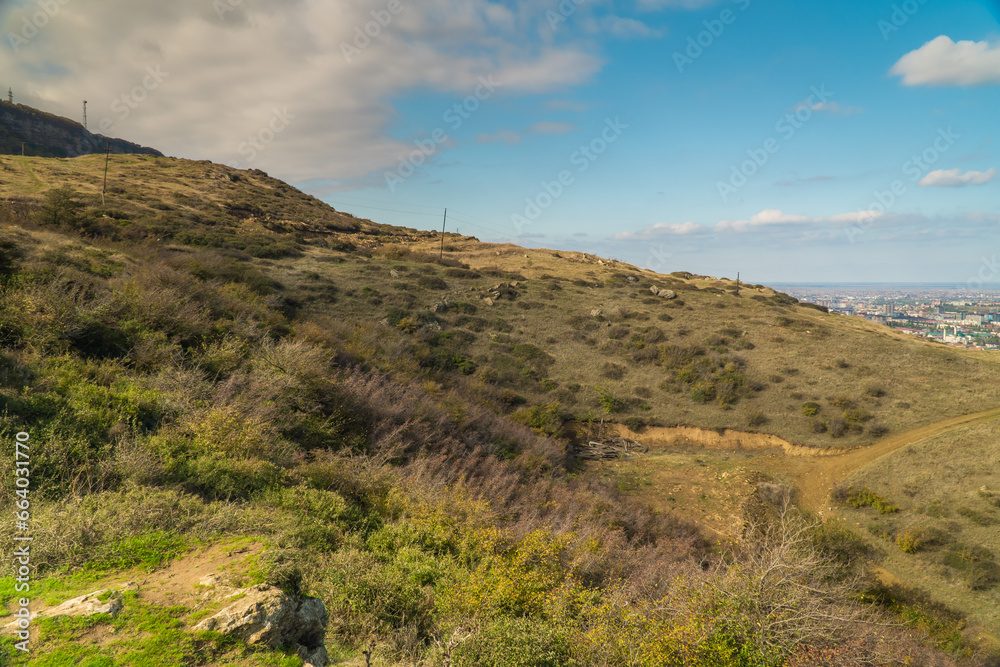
(48, 135)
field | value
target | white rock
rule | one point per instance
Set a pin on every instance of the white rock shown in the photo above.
(267, 615)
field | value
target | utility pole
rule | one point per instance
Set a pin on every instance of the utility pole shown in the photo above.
(107, 156)
(85, 114)
(443, 224)
(737, 283)
(10, 95)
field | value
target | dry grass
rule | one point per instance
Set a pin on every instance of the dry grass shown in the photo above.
(947, 487)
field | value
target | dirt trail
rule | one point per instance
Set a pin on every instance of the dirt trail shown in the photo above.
(813, 471)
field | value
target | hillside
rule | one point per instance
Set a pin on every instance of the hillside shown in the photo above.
(37, 133)
(211, 355)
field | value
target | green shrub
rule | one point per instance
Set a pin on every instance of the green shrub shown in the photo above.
(911, 539)
(543, 418)
(877, 429)
(703, 392)
(810, 409)
(516, 642)
(857, 415)
(609, 400)
(865, 497)
(843, 402)
(976, 564)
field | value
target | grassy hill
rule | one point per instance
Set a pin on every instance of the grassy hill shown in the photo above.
(212, 354)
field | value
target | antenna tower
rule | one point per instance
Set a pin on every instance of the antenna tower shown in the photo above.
(10, 95)
(85, 114)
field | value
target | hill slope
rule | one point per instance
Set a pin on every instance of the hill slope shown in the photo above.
(212, 355)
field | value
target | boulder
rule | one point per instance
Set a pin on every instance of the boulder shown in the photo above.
(488, 301)
(665, 293)
(268, 616)
(596, 312)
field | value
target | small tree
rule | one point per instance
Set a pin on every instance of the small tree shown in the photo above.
(61, 206)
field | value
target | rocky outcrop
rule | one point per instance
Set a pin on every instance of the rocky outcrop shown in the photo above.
(102, 601)
(662, 292)
(268, 616)
(47, 135)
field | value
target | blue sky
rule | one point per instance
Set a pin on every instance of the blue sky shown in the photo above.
(849, 141)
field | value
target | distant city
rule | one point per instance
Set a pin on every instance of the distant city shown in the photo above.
(955, 315)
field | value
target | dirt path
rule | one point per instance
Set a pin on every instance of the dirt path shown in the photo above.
(814, 472)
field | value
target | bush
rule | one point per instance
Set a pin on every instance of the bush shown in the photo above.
(61, 206)
(977, 565)
(911, 539)
(543, 418)
(865, 497)
(877, 429)
(975, 517)
(516, 642)
(857, 415)
(703, 392)
(613, 371)
(432, 282)
(810, 409)
(609, 400)
(756, 418)
(838, 428)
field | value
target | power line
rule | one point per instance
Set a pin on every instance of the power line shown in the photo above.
(494, 230)
(379, 201)
(488, 229)
(376, 208)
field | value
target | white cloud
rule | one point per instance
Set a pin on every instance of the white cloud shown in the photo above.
(774, 217)
(550, 127)
(655, 5)
(953, 178)
(829, 107)
(626, 28)
(768, 218)
(942, 62)
(835, 108)
(228, 74)
(660, 229)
